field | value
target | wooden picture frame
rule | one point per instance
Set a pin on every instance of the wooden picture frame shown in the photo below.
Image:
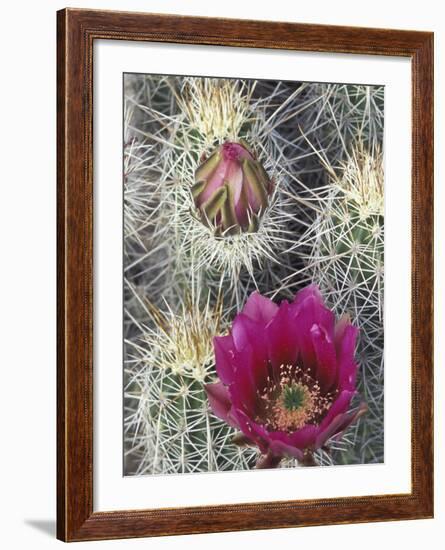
(76, 32)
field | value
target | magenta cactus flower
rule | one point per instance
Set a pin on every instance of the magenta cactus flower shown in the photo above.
(287, 376)
(232, 189)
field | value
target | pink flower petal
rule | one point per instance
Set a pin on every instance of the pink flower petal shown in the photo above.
(308, 311)
(301, 439)
(347, 368)
(311, 291)
(220, 403)
(340, 328)
(224, 356)
(246, 332)
(243, 389)
(280, 448)
(259, 308)
(252, 430)
(339, 424)
(339, 406)
(281, 338)
(309, 305)
(326, 360)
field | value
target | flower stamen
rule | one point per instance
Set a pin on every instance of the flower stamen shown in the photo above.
(292, 399)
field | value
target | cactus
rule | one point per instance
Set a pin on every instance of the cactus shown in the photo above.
(347, 262)
(218, 117)
(178, 433)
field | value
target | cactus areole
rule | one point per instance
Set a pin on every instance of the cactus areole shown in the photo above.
(231, 190)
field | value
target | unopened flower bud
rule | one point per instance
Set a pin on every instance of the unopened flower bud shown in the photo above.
(231, 190)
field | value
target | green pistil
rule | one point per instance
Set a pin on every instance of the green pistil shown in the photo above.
(294, 397)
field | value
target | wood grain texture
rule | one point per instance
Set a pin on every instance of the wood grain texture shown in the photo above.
(77, 30)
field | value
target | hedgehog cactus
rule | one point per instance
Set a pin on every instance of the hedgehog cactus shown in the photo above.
(227, 217)
(347, 263)
(179, 431)
(182, 434)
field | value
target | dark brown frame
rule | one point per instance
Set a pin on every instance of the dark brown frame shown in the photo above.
(76, 32)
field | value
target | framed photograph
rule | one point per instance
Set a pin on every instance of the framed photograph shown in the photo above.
(245, 263)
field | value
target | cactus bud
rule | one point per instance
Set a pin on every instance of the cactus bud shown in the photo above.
(231, 189)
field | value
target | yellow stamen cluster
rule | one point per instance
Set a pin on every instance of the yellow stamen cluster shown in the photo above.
(292, 399)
